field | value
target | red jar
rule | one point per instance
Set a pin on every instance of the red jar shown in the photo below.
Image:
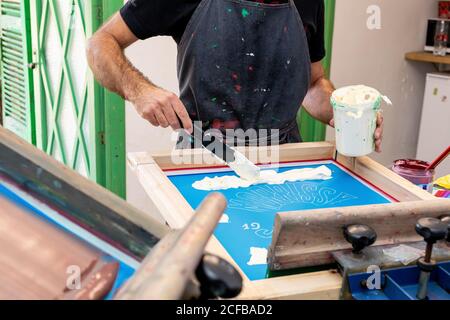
(416, 172)
(444, 9)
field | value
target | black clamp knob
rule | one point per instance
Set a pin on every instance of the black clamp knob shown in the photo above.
(431, 229)
(360, 236)
(446, 219)
(218, 278)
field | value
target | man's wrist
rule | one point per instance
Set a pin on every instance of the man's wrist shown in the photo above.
(135, 89)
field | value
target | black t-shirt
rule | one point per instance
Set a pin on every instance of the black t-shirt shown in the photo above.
(151, 18)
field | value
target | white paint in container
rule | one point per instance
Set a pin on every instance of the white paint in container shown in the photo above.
(355, 116)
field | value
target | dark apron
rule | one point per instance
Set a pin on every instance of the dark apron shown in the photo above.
(245, 65)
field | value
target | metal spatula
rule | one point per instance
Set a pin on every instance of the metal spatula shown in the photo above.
(233, 158)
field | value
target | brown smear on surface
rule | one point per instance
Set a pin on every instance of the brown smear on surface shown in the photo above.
(35, 256)
(96, 284)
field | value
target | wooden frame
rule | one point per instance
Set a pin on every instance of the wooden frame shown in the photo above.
(166, 271)
(295, 244)
(176, 211)
(84, 202)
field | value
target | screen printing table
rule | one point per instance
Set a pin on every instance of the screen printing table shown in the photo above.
(246, 229)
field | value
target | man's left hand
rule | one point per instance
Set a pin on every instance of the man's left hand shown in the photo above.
(378, 132)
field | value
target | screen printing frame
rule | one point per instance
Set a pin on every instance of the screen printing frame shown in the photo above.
(47, 185)
(51, 186)
(176, 211)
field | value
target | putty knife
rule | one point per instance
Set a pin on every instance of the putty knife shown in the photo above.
(233, 158)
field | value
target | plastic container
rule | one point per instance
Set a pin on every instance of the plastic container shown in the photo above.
(441, 38)
(416, 172)
(355, 119)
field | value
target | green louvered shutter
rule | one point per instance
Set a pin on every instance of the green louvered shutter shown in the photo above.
(63, 124)
(15, 69)
(73, 113)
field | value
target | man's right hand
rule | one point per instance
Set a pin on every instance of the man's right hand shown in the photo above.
(162, 108)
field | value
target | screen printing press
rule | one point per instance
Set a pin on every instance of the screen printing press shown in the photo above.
(360, 235)
(64, 237)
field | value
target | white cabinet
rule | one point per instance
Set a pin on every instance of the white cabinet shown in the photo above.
(434, 134)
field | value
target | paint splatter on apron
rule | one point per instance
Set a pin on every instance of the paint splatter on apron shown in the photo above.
(245, 65)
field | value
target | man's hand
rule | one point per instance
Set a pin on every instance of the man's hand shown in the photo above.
(378, 132)
(162, 108)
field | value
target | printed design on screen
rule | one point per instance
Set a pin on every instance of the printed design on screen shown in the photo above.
(246, 229)
(275, 197)
(256, 228)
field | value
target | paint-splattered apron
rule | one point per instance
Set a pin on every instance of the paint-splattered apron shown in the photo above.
(245, 65)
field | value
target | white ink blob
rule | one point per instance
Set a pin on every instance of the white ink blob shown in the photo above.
(258, 256)
(266, 177)
(225, 219)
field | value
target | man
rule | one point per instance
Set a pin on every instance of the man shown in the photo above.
(241, 64)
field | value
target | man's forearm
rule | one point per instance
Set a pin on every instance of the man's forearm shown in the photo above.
(105, 54)
(317, 101)
(113, 70)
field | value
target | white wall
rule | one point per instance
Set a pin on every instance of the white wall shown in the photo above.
(156, 58)
(376, 58)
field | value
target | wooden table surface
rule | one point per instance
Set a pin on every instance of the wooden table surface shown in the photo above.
(423, 56)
